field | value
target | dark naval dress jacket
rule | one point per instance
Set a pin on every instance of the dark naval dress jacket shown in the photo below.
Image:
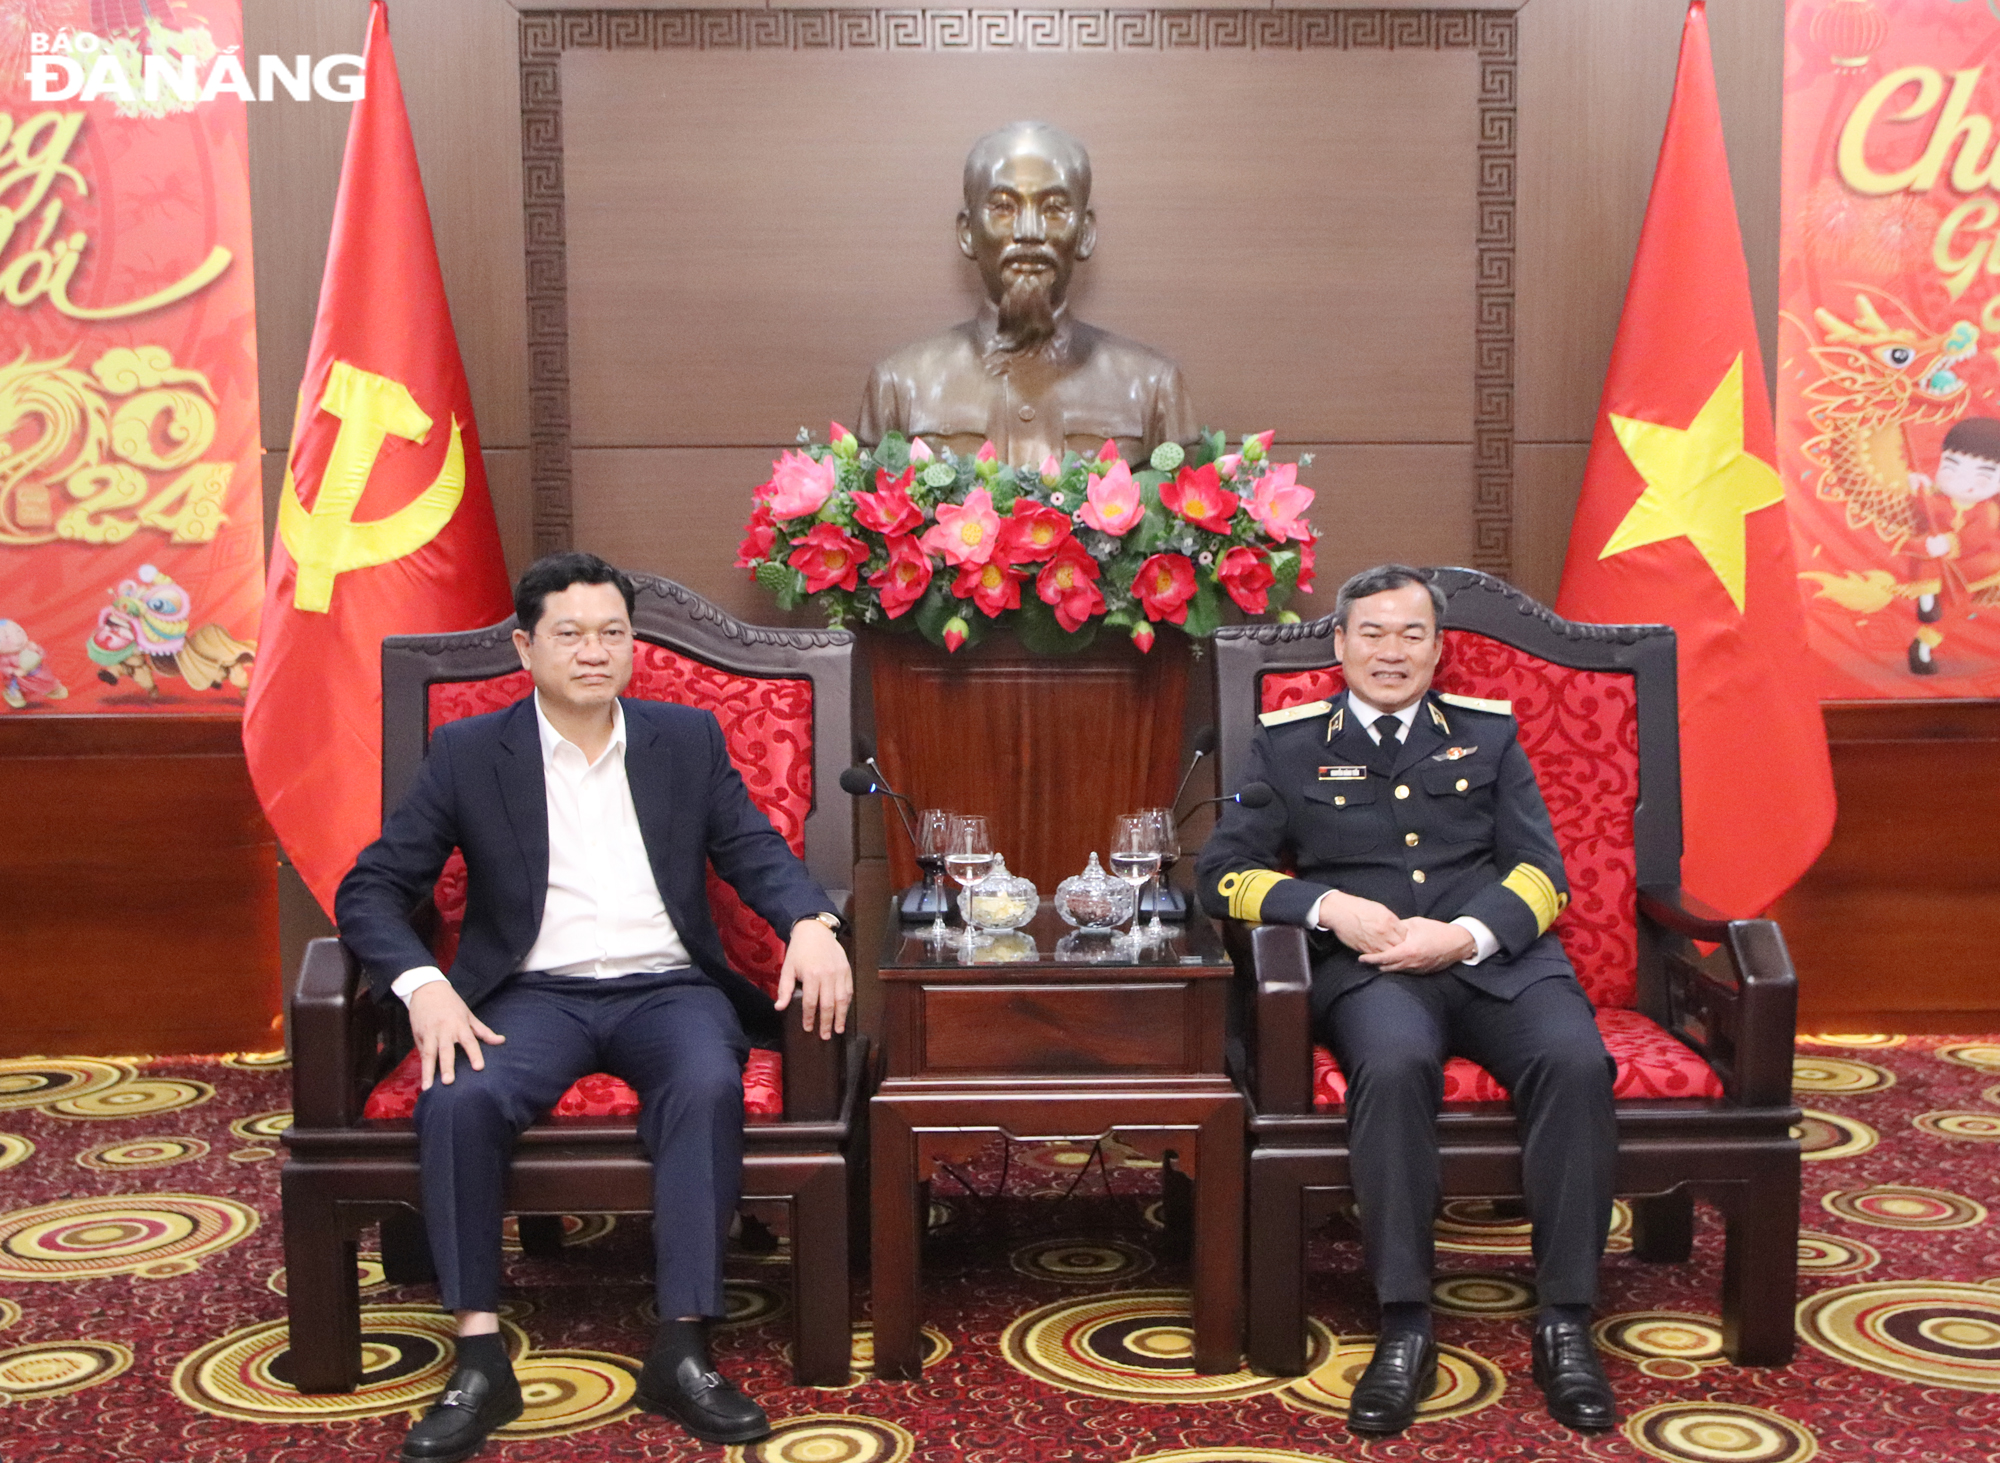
(1456, 827)
(481, 790)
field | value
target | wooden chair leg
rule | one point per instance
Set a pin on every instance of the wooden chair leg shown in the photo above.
(1275, 1339)
(322, 1290)
(541, 1235)
(406, 1249)
(1177, 1200)
(1760, 1267)
(822, 1316)
(1663, 1227)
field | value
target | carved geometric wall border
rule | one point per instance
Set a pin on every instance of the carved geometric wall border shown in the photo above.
(545, 35)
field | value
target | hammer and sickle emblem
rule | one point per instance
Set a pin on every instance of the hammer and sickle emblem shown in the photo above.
(326, 542)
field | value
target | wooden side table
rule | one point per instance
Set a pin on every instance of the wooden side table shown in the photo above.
(1042, 1038)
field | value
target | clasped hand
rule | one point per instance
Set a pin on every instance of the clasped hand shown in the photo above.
(1383, 939)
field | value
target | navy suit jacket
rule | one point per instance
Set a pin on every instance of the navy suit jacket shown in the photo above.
(481, 790)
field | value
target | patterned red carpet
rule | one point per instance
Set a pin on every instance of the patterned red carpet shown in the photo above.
(141, 1276)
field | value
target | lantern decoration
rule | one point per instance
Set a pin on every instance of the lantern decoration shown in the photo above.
(1850, 31)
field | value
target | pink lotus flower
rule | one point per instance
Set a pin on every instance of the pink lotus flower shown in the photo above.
(1142, 636)
(889, 510)
(1308, 543)
(965, 533)
(828, 557)
(1108, 452)
(920, 451)
(955, 631)
(1278, 500)
(903, 580)
(1032, 533)
(1114, 502)
(1197, 494)
(1227, 464)
(1068, 584)
(758, 537)
(1246, 574)
(1051, 469)
(1165, 584)
(798, 485)
(1257, 444)
(987, 453)
(839, 436)
(992, 586)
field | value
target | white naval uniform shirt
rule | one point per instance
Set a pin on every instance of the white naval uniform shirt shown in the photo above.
(603, 915)
(1485, 942)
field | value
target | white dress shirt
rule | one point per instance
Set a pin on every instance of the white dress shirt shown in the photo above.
(603, 915)
(1483, 940)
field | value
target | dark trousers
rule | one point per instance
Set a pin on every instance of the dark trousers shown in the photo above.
(1392, 1036)
(675, 1039)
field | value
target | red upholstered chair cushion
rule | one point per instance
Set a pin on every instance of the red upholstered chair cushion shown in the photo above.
(1650, 1064)
(1580, 730)
(767, 724)
(595, 1096)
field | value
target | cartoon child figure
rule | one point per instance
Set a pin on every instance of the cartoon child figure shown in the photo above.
(1955, 545)
(24, 669)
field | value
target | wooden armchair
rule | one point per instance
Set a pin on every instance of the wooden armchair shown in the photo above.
(783, 700)
(1704, 1048)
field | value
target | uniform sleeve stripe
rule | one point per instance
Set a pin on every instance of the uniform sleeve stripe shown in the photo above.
(1536, 890)
(1245, 891)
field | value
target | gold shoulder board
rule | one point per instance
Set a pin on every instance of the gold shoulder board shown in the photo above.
(1295, 713)
(1477, 703)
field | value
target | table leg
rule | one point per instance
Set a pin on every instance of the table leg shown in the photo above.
(1218, 1240)
(894, 1257)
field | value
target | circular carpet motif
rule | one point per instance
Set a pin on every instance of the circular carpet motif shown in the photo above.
(578, 1229)
(1081, 1261)
(571, 1392)
(830, 1437)
(262, 1127)
(1839, 1074)
(367, 1271)
(932, 1347)
(1479, 1294)
(9, 1313)
(149, 1235)
(1978, 1127)
(406, 1355)
(1470, 1226)
(1856, 1040)
(141, 1097)
(14, 1149)
(1983, 1055)
(1834, 1254)
(1718, 1432)
(32, 1081)
(1933, 1332)
(1671, 1345)
(141, 1153)
(1992, 1095)
(1905, 1206)
(257, 1061)
(1135, 1345)
(1825, 1135)
(51, 1368)
(1466, 1382)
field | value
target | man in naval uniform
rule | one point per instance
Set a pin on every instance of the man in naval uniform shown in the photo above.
(1425, 862)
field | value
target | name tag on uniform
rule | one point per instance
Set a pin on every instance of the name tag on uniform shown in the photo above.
(1343, 774)
(1452, 754)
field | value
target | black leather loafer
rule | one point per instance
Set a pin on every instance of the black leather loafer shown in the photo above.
(1571, 1377)
(702, 1401)
(1400, 1375)
(458, 1422)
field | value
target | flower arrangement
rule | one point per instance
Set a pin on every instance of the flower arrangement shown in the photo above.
(958, 546)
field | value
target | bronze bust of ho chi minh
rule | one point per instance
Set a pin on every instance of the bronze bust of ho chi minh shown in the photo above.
(1023, 373)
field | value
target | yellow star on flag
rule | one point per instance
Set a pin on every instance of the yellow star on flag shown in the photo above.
(1700, 483)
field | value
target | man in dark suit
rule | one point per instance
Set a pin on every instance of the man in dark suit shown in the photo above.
(586, 822)
(1408, 831)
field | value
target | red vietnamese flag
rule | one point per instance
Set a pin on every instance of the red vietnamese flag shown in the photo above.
(1682, 521)
(384, 525)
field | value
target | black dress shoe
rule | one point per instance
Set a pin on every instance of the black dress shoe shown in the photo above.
(1400, 1374)
(695, 1394)
(1571, 1377)
(473, 1405)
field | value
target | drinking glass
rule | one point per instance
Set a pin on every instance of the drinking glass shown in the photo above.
(933, 839)
(1135, 858)
(1167, 844)
(968, 856)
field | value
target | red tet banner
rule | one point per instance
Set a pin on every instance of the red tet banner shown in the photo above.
(130, 502)
(1888, 374)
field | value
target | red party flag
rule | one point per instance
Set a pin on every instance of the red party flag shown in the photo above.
(1682, 521)
(384, 525)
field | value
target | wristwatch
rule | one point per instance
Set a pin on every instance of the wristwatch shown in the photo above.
(826, 917)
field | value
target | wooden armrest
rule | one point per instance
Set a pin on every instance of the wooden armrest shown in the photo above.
(1280, 1029)
(1747, 1027)
(326, 1037)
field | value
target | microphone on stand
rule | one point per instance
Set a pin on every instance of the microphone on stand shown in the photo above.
(1251, 795)
(920, 902)
(1204, 743)
(861, 781)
